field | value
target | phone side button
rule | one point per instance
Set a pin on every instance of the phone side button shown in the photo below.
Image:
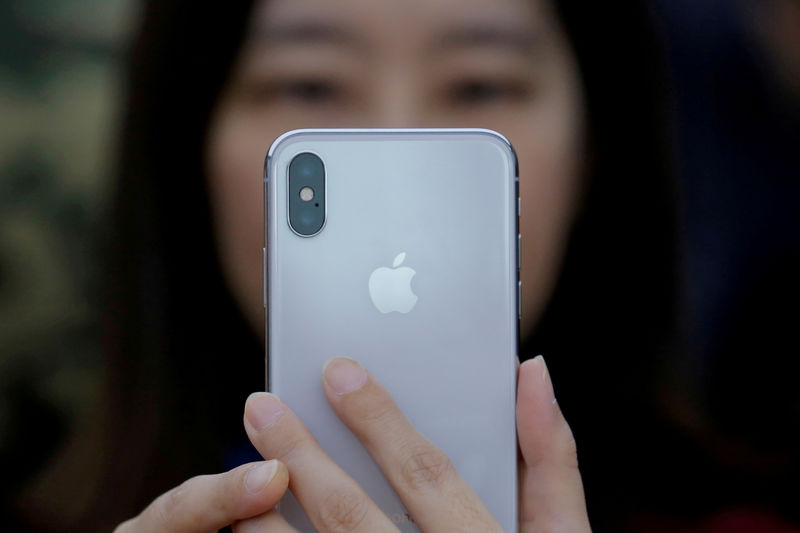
(264, 274)
(519, 299)
(519, 251)
(519, 207)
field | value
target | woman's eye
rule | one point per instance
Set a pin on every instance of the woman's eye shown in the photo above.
(298, 91)
(308, 91)
(478, 92)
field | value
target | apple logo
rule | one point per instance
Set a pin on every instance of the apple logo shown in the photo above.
(390, 288)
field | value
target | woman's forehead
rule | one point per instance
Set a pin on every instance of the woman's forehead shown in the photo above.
(368, 20)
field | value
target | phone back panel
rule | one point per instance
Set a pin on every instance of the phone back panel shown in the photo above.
(447, 199)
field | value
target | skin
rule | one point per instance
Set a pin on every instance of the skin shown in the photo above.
(437, 498)
(504, 65)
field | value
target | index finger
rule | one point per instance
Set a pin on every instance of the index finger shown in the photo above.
(421, 474)
(209, 503)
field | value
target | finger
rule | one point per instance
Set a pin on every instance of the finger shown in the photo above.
(209, 503)
(269, 522)
(551, 491)
(436, 496)
(333, 501)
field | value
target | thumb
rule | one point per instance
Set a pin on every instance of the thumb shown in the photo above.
(551, 491)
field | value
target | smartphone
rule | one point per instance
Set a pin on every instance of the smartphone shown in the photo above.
(399, 248)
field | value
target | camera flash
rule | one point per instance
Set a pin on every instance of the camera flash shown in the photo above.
(306, 194)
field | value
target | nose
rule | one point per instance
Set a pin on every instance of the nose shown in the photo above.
(399, 101)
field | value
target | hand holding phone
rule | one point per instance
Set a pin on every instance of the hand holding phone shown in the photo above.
(550, 491)
(437, 497)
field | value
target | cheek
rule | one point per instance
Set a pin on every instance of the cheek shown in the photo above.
(236, 151)
(550, 154)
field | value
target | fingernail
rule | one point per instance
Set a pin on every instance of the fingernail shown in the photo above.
(263, 410)
(258, 476)
(344, 375)
(540, 359)
(544, 378)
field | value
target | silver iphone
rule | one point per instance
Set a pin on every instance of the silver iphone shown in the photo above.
(399, 248)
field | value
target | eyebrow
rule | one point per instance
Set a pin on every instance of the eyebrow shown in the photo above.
(488, 35)
(477, 35)
(305, 32)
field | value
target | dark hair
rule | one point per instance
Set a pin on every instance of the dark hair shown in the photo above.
(181, 358)
(611, 326)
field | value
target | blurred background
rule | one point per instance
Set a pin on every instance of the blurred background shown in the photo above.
(60, 78)
(736, 87)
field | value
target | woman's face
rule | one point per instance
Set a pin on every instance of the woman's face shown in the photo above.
(504, 65)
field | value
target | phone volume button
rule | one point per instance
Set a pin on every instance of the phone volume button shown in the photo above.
(519, 299)
(264, 274)
(519, 251)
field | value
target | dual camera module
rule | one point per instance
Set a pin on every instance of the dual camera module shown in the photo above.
(306, 194)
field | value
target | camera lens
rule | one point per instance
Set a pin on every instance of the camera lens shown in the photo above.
(306, 166)
(306, 194)
(306, 183)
